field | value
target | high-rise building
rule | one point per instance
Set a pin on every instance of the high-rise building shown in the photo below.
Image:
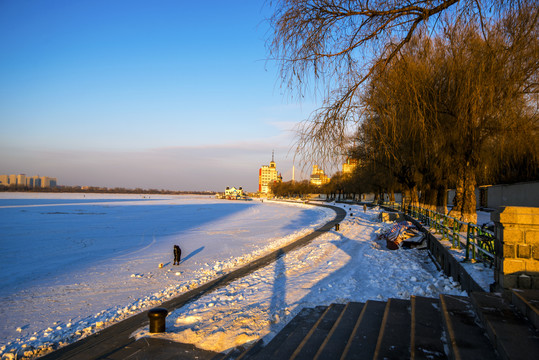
(21, 179)
(318, 177)
(29, 181)
(34, 182)
(48, 182)
(267, 175)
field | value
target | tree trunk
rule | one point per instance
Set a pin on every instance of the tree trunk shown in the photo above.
(410, 197)
(414, 196)
(469, 206)
(464, 204)
(429, 198)
(441, 200)
(456, 210)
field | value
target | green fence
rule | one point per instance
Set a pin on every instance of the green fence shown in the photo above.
(478, 243)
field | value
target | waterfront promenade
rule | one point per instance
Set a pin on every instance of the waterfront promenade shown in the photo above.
(116, 341)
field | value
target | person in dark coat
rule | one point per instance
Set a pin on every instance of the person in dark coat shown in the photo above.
(177, 255)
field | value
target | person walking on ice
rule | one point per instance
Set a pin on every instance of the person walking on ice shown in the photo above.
(177, 255)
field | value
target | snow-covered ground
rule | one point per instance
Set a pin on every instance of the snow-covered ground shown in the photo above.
(337, 267)
(73, 263)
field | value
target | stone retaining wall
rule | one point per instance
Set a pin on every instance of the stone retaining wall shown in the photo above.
(448, 263)
(517, 247)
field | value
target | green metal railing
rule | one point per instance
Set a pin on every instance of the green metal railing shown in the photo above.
(478, 243)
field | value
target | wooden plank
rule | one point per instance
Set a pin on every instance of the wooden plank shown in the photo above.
(426, 331)
(335, 343)
(362, 342)
(394, 338)
(465, 338)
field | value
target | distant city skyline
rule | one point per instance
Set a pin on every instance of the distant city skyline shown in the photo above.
(31, 181)
(168, 95)
(142, 173)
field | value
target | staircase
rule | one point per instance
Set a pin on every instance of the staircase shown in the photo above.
(483, 326)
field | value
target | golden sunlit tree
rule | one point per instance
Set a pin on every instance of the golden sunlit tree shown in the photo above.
(486, 66)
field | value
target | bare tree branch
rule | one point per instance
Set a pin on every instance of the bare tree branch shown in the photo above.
(339, 44)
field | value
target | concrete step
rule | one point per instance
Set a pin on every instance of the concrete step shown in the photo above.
(247, 353)
(512, 336)
(394, 338)
(527, 302)
(426, 330)
(286, 342)
(362, 342)
(272, 346)
(155, 348)
(419, 328)
(335, 343)
(465, 339)
(309, 346)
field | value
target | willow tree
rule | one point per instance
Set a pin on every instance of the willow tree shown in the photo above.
(337, 45)
(442, 104)
(400, 120)
(489, 77)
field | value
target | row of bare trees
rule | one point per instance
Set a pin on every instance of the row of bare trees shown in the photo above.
(95, 189)
(293, 189)
(338, 188)
(437, 94)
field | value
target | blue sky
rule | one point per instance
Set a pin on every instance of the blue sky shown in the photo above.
(154, 94)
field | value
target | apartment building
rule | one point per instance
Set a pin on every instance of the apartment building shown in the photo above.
(29, 181)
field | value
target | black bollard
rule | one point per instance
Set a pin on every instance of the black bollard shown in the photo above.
(336, 227)
(157, 320)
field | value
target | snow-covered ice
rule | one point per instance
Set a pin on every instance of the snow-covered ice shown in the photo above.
(72, 263)
(76, 264)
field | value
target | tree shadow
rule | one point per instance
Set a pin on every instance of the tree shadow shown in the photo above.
(278, 300)
(193, 253)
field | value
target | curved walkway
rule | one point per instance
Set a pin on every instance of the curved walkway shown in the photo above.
(115, 342)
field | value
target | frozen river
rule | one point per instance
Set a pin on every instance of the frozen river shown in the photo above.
(68, 258)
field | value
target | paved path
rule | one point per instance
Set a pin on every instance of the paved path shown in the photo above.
(115, 342)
